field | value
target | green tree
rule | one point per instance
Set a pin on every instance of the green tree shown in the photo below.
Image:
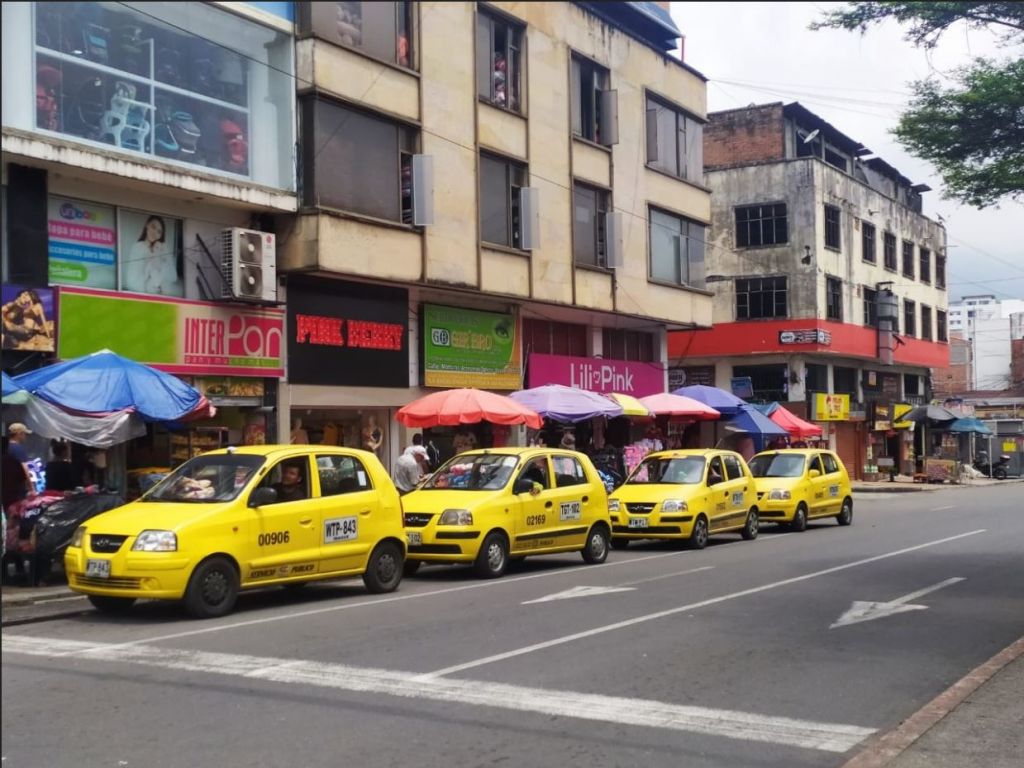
(973, 131)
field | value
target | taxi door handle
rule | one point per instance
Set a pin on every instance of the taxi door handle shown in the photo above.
(365, 512)
(305, 520)
(586, 499)
(726, 493)
(547, 505)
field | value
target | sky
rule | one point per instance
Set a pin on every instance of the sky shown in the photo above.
(762, 52)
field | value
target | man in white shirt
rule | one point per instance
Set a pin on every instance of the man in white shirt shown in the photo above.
(410, 467)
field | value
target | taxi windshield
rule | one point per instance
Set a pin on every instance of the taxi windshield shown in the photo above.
(207, 479)
(777, 465)
(654, 471)
(475, 472)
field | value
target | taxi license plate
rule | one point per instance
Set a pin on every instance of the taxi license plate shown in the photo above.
(638, 522)
(415, 539)
(99, 569)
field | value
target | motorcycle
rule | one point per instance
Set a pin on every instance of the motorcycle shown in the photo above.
(996, 469)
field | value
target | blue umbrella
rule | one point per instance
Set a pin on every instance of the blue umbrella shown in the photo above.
(104, 382)
(726, 403)
(968, 424)
(566, 404)
(754, 422)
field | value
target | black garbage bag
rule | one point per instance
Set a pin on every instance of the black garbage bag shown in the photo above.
(56, 525)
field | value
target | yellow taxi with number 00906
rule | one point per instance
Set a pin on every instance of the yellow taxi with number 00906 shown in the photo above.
(685, 495)
(243, 518)
(487, 506)
(795, 485)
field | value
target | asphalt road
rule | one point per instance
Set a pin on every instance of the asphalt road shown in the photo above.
(745, 654)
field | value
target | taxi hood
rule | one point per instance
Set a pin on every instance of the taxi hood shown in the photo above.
(657, 491)
(138, 516)
(440, 499)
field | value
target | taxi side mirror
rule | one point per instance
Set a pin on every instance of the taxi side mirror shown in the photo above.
(262, 496)
(522, 485)
(814, 473)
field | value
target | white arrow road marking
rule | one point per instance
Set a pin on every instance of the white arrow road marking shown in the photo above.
(584, 591)
(578, 592)
(866, 611)
(747, 726)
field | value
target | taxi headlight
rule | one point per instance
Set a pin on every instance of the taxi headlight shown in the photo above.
(674, 505)
(613, 505)
(156, 541)
(779, 494)
(78, 537)
(456, 517)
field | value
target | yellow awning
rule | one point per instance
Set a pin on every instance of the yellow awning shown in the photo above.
(630, 405)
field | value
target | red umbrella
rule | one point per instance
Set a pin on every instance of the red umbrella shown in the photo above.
(466, 406)
(664, 404)
(793, 424)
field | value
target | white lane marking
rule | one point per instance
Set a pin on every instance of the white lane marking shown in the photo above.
(774, 536)
(747, 726)
(862, 610)
(666, 576)
(948, 506)
(577, 592)
(392, 599)
(683, 608)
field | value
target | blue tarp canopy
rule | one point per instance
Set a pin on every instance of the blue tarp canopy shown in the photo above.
(969, 424)
(9, 386)
(103, 383)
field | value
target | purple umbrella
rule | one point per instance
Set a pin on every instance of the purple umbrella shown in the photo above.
(726, 403)
(566, 404)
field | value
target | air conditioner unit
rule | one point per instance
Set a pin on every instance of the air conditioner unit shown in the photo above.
(249, 265)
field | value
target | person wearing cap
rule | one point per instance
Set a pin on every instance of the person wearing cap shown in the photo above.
(16, 434)
(411, 466)
(17, 481)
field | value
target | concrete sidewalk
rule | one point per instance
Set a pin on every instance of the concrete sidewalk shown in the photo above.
(905, 484)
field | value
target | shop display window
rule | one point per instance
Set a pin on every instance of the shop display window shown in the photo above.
(140, 81)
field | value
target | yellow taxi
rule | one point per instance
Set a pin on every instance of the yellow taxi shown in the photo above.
(242, 518)
(795, 485)
(685, 496)
(487, 506)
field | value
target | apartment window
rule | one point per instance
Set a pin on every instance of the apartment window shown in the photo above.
(870, 308)
(940, 271)
(677, 249)
(908, 259)
(834, 298)
(761, 225)
(769, 382)
(890, 251)
(500, 182)
(844, 381)
(909, 317)
(816, 377)
(832, 239)
(498, 61)
(926, 264)
(926, 322)
(547, 337)
(358, 162)
(867, 242)
(675, 141)
(378, 29)
(590, 209)
(591, 101)
(912, 384)
(628, 345)
(940, 325)
(759, 298)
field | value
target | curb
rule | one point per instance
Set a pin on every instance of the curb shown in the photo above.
(19, 601)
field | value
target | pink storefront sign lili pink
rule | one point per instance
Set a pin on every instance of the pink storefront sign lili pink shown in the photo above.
(597, 375)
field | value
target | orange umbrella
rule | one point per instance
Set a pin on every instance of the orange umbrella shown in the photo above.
(466, 406)
(664, 404)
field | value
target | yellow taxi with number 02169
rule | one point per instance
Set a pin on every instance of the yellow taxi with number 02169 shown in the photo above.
(488, 506)
(795, 485)
(685, 495)
(243, 518)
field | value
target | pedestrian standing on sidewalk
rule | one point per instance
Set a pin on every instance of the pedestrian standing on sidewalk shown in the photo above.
(411, 466)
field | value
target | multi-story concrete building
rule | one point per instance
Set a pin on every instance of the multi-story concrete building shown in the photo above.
(142, 144)
(493, 194)
(988, 325)
(828, 280)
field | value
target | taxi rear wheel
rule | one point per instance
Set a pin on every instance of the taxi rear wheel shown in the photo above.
(212, 589)
(799, 522)
(492, 560)
(752, 526)
(845, 516)
(384, 571)
(107, 604)
(596, 550)
(699, 534)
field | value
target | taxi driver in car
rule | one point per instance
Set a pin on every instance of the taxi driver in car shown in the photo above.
(291, 486)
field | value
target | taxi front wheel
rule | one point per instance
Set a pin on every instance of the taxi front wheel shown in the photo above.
(596, 550)
(384, 571)
(213, 588)
(493, 558)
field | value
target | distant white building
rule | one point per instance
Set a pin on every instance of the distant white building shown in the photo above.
(986, 324)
